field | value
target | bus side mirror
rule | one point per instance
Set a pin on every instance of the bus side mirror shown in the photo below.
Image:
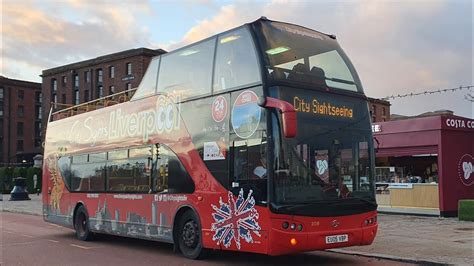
(288, 114)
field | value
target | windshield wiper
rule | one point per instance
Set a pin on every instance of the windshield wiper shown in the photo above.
(341, 81)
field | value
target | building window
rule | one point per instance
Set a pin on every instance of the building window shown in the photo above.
(39, 112)
(1, 129)
(112, 72)
(76, 97)
(19, 145)
(1, 110)
(1, 93)
(21, 94)
(111, 90)
(39, 98)
(38, 128)
(54, 85)
(100, 77)
(100, 92)
(129, 68)
(384, 112)
(21, 111)
(19, 128)
(55, 98)
(63, 98)
(76, 81)
(64, 81)
(87, 76)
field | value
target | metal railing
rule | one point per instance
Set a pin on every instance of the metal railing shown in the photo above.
(61, 110)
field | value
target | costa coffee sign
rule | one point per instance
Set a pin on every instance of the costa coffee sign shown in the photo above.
(459, 123)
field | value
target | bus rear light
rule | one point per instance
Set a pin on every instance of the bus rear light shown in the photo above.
(293, 226)
(370, 221)
(285, 225)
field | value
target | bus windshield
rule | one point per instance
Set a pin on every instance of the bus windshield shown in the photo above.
(294, 53)
(330, 159)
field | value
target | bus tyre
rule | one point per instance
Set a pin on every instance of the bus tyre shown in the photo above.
(81, 224)
(189, 236)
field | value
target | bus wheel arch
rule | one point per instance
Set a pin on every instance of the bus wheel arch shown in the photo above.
(187, 233)
(81, 223)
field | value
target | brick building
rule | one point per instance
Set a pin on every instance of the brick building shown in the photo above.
(95, 78)
(379, 110)
(20, 121)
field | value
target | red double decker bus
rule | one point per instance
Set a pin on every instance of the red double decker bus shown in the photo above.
(257, 139)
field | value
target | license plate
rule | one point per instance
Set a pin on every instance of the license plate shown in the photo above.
(337, 239)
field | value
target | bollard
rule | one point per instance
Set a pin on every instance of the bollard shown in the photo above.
(19, 191)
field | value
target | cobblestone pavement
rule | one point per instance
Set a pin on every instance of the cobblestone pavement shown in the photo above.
(425, 239)
(400, 237)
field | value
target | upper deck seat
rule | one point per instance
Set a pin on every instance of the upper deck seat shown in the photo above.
(318, 76)
(278, 73)
(299, 73)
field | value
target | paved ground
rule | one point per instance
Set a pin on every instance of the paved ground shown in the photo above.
(23, 244)
(406, 237)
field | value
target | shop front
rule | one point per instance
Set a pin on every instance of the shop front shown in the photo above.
(425, 163)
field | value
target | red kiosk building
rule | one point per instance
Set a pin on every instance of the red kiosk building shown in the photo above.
(425, 162)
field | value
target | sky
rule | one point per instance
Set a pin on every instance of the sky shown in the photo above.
(397, 47)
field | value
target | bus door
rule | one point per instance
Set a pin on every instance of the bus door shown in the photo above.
(250, 167)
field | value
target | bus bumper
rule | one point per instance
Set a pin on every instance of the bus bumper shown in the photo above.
(284, 242)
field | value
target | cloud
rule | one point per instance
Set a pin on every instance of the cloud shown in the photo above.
(397, 47)
(228, 17)
(66, 32)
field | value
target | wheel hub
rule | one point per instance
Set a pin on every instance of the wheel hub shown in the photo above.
(190, 237)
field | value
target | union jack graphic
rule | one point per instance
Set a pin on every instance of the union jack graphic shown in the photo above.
(235, 217)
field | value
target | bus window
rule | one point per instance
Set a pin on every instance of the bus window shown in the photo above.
(334, 67)
(236, 61)
(64, 164)
(147, 86)
(87, 175)
(119, 154)
(120, 176)
(250, 166)
(130, 173)
(171, 175)
(188, 71)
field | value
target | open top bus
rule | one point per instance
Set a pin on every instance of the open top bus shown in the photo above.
(257, 139)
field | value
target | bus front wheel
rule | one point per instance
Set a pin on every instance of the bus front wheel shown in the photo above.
(189, 236)
(81, 224)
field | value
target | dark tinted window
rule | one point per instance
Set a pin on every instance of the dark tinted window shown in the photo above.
(88, 177)
(171, 175)
(130, 174)
(236, 61)
(188, 71)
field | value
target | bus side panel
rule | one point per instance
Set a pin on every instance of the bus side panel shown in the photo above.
(56, 198)
(145, 216)
(229, 224)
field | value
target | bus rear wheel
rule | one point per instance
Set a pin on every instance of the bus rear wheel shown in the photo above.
(189, 236)
(81, 224)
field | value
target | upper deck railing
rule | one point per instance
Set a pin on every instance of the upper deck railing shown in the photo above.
(61, 110)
